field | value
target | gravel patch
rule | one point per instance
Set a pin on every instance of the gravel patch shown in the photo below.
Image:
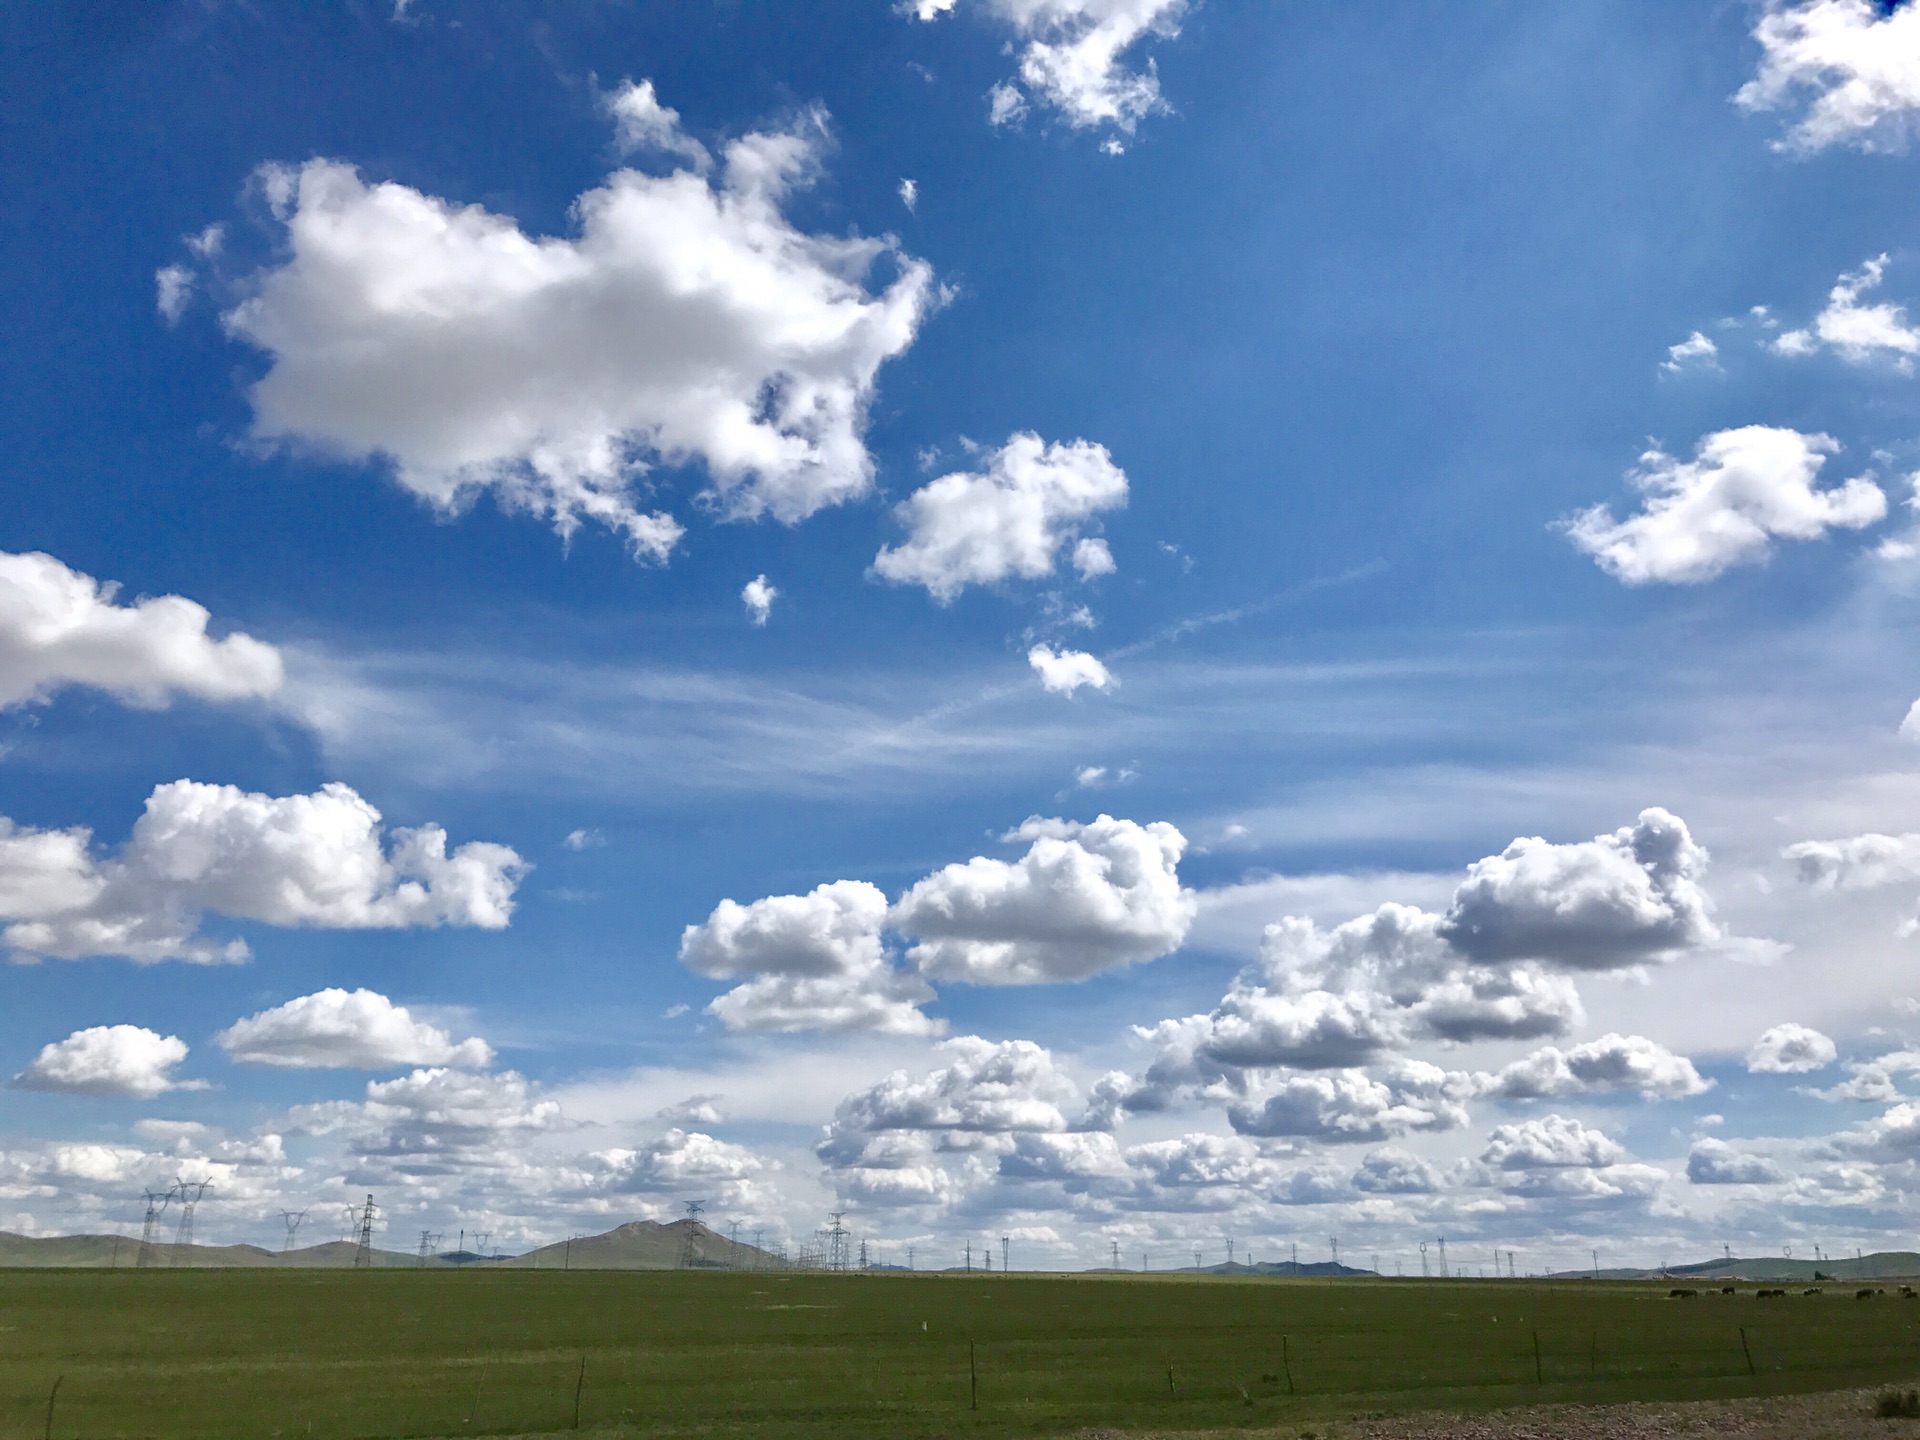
(1833, 1415)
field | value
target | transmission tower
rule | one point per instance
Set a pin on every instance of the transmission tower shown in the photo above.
(1423, 1259)
(863, 1256)
(839, 1251)
(1004, 1267)
(689, 1249)
(156, 1204)
(733, 1245)
(188, 1192)
(293, 1220)
(1336, 1253)
(427, 1237)
(363, 1251)
(1229, 1253)
(1116, 1254)
(1443, 1257)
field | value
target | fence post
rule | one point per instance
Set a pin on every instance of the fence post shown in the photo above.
(578, 1385)
(1286, 1363)
(1539, 1376)
(1745, 1351)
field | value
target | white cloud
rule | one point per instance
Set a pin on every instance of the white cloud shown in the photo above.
(816, 961)
(695, 1110)
(583, 839)
(1005, 105)
(1696, 352)
(1395, 1172)
(1062, 672)
(1083, 899)
(642, 123)
(1790, 1049)
(1010, 518)
(1858, 333)
(1552, 1141)
(1610, 1064)
(1484, 970)
(690, 1161)
(60, 627)
(1349, 1106)
(689, 320)
(1859, 862)
(1714, 1162)
(1088, 776)
(106, 1060)
(1859, 60)
(993, 1109)
(1073, 57)
(988, 1088)
(1604, 904)
(758, 596)
(1092, 558)
(311, 860)
(341, 1029)
(1743, 489)
(173, 289)
(910, 195)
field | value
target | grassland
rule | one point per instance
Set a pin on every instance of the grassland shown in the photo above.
(339, 1354)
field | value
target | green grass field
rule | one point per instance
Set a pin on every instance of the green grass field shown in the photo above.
(336, 1354)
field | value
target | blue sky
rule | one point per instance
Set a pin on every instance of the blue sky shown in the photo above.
(1306, 633)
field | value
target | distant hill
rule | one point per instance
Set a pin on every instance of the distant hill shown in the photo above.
(100, 1252)
(1881, 1265)
(647, 1245)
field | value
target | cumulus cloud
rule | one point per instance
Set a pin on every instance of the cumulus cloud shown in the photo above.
(1395, 1172)
(1858, 333)
(910, 195)
(299, 860)
(1349, 1106)
(983, 1112)
(758, 596)
(1714, 1162)
(59, 627)
(1790, 1049)
(1605, 904)
(682, 1160)
(1552, 1141)
(1858, 62)
(1613, 1063)
(814, 961)
(1696, 352)
(688, 320)
(1092, 558)
(1743, 489)
(106, 1060)
(1074, 57)
(346, 1029)
(1010, 518)
(1062, 672)
(1859, 862)
(1492, 967)
(1084, 899)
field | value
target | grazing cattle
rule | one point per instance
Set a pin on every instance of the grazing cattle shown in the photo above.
(1681, 1294)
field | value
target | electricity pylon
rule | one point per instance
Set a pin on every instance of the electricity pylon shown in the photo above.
(156, 1204)
(363, 1252)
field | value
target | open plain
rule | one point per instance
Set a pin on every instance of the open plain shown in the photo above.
(341, 1354)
